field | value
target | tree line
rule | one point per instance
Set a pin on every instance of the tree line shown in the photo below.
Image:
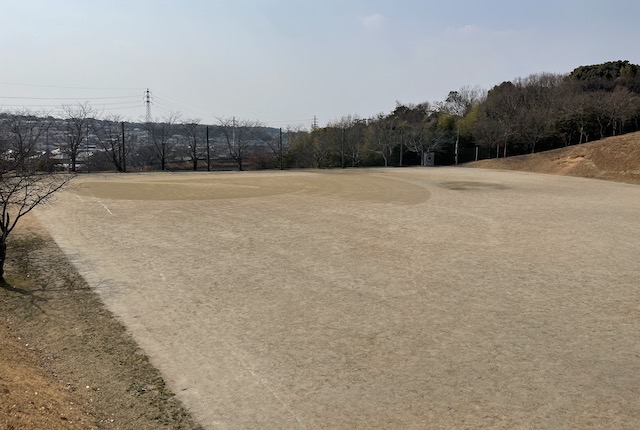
(81, 139)
(538, 112)
(541, 111)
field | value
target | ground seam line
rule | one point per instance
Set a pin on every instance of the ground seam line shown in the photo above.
(265, 384)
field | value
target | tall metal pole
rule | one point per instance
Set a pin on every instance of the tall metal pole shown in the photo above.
(280, 149)
(124, 152)
(401, 147)
(86, 148)
(457, 141)
(208, 152)
(233, 133)
(342, 149)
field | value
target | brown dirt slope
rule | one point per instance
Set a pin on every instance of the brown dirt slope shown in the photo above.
(614, 158)
(65, 361)
(31, 398)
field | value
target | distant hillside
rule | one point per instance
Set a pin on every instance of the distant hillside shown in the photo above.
(615, 158)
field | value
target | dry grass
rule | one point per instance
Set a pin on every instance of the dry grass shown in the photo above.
(614, 158)
(65, 362)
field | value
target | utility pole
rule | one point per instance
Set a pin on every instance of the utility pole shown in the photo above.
(124, 151)
(314, 125)
(342, 148)
(208, 152)
(401, 146)
(86, 148)
(233, 133)
(280, 148)
(147, 101)
(455, 154)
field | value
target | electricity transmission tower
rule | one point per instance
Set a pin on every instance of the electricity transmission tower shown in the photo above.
(147, 102)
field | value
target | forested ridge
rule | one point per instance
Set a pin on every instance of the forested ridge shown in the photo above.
(539, 112)
(527, 114)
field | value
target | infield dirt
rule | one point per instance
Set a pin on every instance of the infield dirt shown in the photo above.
(383, 298)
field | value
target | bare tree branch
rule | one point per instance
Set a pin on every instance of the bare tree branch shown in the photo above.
(77, 124)
(22, 186)
(238, 136)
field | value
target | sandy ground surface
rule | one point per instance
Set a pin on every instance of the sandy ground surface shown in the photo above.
(386, 298)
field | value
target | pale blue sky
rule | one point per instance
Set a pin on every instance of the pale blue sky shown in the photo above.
(284, 61)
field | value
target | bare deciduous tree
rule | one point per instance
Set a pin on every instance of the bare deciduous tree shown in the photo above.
(77, 122)
(321, 142)
(22, 130)
(536, 110)
(489, 133)
(502, 102)
(159, 135)
(278, 146)
(194, 147)
(22, 186)
(616, 107)
(426, 137)
(115, 139)
(460, 102)
(574, 109)
(354, 139)
(348, 139)
(381, 137)
(238, 136)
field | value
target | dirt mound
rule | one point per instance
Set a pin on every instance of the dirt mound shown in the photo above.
(615, 158)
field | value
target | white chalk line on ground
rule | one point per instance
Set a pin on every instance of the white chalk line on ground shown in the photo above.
(264, 383)
(98, 200)
(104, 206)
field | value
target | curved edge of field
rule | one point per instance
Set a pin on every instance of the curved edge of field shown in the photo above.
(60, 335)
(65, 361)
(614, 158)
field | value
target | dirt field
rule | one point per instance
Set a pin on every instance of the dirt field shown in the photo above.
(411, 298)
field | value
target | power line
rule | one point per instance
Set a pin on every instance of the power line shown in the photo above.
(289, 121)
(180, 105)
(67, 98)
(122, 102)
(68, 87)
(98, 104)
(58, 105)
(167, 105)
(123, 107)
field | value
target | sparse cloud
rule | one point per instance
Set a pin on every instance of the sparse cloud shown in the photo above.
(372, 21)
